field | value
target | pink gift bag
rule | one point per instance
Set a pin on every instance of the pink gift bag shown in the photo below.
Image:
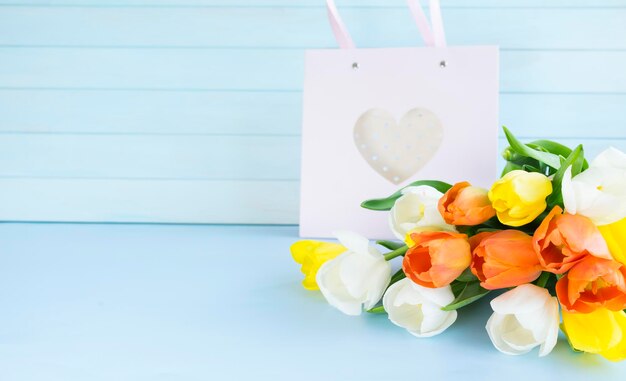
(375, 120)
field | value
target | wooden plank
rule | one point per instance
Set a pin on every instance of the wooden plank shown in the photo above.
(518, 28)
(565, 115)
(260, 202)
(138, 112)
(199, 201)
(269, 113)
(263, 69)
(151, 157)
(174, 157)
(314, 3)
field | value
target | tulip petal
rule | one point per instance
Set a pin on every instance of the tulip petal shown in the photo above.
(352, 241)
(593, 332)
(610, 157)
(524, 318)
(522, 299)
(615, 236)
(532, 187)
(407, 307)
(352, 271)
(503, 329)
(408, 293)
(599, 193)
(552, 306)
(511, 277)
(377, 282)
(330, 284)
(450, 318)
(441, 296)
(618, 352)
(417, 209)
(403, 305)
(567, 191)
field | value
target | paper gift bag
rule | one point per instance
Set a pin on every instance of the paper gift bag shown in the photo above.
(376, 119)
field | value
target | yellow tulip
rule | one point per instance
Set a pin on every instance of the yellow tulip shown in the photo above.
(601, 331)
(519, 197)
(615, 236)
(311, 255)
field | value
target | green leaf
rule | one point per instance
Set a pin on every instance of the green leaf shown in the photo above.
(457, 287)
(548, 158)
(387, 203)
(552, 147)
(471, 293)
(576, 157)
(557, 149)
(391, 245)
(579, 163)
(530, 168)
(466, 276)
(377, 310)
(398, 276)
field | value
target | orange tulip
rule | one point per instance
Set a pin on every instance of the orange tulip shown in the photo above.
(437, 258)
(593, 283)
(464, 204)
(504, 259)
(562, 240)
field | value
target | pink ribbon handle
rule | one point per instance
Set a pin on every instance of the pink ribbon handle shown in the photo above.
(422, 22)
(432, 37)
(437, 23)
(339, 29)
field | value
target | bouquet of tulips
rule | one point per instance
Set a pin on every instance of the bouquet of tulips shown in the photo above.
(550, 234)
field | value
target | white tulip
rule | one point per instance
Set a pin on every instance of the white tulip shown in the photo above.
(598, 193)
(355, 279)
(418, 309)
(417, 210)
(610, 158)
(523, 318)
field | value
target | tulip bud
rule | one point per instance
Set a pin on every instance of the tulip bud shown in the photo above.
(562, 240)
(524, 318)
(355, 279)
(519, 197)
(418, 309)
(416, 210)
(437, 258)
(593, 283)
(311, 255)
(504, 259)
(464, 204)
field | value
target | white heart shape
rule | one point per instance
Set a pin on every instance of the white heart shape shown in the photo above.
(398, 151)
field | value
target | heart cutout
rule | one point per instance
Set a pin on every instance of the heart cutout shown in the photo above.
(397, 151)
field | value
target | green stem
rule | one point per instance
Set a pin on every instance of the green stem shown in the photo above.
(396, 253)
(543, 279)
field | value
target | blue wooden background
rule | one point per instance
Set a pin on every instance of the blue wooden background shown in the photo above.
(189, 111)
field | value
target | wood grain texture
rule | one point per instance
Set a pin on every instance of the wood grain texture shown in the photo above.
(268, 112)
(316, 3)
(219, 27)
(176, 201)
(190, 110)
(173, 157)
(262, 69)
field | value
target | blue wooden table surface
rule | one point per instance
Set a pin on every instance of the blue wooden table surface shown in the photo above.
(182, 302)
